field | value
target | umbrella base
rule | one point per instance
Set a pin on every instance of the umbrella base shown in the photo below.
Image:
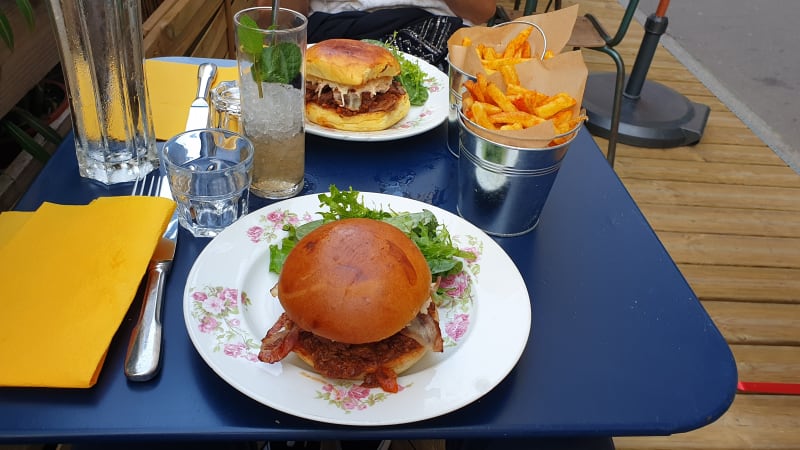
(659, 118)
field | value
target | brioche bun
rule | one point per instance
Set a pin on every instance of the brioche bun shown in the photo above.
(354, 281)
(370, 121)
(350, 62)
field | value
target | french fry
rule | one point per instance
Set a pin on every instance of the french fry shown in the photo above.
(511, 126)
(480, 116)
(491, 109)
(561, 121)
(548, 54)
(510, 75)
(475, 90)
(466, 41)
(514, 46)
(555, 104)
(466, 102)
(526, 50)
(507, 118)
(499, 98)
(496, 63)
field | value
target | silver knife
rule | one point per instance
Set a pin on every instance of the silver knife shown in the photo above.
(144, 350)
(198, 112)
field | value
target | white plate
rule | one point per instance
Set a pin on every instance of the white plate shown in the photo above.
(418, 120)
(228, 309)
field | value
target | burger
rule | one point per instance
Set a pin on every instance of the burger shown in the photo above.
(357, 300)
(350, 85)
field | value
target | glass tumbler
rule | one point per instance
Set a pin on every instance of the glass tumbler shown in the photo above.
(226, 110)
(209, 175)
(270, 51)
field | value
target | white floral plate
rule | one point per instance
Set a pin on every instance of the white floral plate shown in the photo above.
(485, 322)
(418, 120)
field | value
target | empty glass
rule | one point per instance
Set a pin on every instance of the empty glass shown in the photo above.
(209, 172)
(226, 111)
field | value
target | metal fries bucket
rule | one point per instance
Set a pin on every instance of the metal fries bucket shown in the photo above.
(457, 78)
(502, 189)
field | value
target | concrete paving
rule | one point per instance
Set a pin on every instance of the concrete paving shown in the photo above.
(746, 52)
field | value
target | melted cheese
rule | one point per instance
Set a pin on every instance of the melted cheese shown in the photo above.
(350, 96)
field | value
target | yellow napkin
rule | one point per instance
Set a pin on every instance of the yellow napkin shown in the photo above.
(69, 274)
(172, 87)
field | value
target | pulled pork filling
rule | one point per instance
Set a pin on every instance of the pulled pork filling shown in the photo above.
(347, 361)
(353, 102)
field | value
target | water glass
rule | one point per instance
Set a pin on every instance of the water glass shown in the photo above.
(101, 55)
(209, 172)
(226, 110)
(270, 51)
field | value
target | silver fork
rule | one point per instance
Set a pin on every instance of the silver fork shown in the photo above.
(144, 350)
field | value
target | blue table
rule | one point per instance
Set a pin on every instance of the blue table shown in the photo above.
(619, 345)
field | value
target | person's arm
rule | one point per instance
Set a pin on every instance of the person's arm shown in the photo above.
(476, 11)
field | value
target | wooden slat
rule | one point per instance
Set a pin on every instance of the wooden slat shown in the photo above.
(767, 363)
(19, 71)
(757, 251)
(730, 221)
(213, 42)
(752, 323)
(173, 29)
(765, 422)
(708, 172)
(671, 192)
(743, 283)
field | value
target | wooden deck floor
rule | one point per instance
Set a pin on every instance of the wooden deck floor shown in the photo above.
(728, 212)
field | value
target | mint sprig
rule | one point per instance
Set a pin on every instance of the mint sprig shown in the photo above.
(279, 62)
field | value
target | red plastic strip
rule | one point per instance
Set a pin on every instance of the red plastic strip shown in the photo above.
(769, 388)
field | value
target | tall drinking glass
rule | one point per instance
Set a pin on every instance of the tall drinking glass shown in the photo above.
(270, 50)
(100, 44)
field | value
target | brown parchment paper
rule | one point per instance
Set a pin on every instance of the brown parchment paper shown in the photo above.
(565, 72)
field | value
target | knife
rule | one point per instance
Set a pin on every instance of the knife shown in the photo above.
(198, 111)
(143, 358)
(144, 349)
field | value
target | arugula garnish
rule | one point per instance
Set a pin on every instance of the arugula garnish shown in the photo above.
(432, 238)
(276, 63)
(411, 75)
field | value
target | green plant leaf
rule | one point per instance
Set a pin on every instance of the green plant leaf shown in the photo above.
(25, 141)
(37, 125)
(6, 34)
(26, 9)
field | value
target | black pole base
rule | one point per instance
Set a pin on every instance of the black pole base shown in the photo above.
(659, 118)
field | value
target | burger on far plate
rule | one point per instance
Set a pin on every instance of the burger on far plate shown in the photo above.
(357, 300)
(350, 86)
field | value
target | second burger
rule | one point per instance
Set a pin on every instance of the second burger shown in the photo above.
(351, 86)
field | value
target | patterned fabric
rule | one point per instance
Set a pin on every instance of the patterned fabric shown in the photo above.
(427, 39)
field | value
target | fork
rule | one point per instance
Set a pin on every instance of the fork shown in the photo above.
(144, 350)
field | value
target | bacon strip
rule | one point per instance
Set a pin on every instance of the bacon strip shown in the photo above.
(382, 377)
(279, 341)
